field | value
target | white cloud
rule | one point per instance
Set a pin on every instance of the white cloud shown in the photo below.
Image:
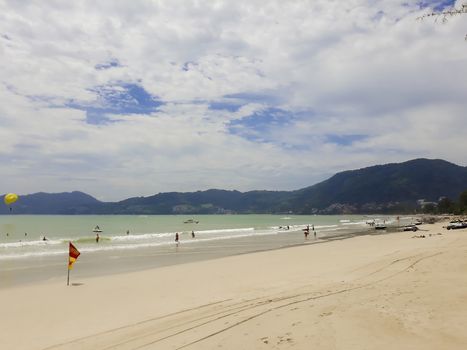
(360, 67)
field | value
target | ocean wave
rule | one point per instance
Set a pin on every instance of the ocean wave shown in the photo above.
(226, 230)
(149, 236)
(326, 226)
(142, 236)
(34, 254)
(354, 223)
(30, 243)
(121, 242)
(130, 246)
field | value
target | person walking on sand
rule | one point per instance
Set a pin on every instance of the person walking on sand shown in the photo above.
(97, 238)
(176, 238)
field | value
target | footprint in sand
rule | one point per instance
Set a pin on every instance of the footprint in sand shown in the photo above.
(284, 339)
(324, 314)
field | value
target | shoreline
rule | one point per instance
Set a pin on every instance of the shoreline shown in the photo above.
(96, 264)
(101, 264)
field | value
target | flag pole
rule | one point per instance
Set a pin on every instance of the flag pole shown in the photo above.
(68, 266)
(73, 254)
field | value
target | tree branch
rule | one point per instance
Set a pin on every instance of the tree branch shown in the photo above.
(443, 15)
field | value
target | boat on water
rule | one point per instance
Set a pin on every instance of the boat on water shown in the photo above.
(97, 229)
(190, 221)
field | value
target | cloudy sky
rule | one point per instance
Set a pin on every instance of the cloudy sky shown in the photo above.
(131, 98)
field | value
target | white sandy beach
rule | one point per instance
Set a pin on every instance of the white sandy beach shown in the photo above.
(387, 291)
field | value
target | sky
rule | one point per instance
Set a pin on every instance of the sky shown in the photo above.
(123, 98)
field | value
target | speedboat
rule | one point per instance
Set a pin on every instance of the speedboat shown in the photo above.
(97, 229)
(190, 221)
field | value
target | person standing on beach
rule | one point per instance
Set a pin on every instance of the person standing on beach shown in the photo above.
(192, 234)
(97, 238)
(176, 238)
(306, 231)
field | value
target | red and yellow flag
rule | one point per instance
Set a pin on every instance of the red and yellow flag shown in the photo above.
(73, 255)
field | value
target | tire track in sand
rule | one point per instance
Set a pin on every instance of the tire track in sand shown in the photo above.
(197, 324)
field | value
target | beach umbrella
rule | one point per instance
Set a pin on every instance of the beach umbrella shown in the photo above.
(10, 198)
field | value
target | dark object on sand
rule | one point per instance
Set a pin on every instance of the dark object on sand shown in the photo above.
(410, 228)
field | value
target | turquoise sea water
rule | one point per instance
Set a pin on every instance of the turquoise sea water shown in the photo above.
(150, 242)
(22, 235)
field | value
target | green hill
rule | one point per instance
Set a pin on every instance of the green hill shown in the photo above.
(390, 185)
(383, 188)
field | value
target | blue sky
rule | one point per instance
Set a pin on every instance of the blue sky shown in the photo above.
(437, 5)
(135, 98)
(119, 98)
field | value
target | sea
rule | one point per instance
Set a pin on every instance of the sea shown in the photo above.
(35, 247)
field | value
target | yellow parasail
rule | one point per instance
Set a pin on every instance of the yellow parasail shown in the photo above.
(10, 198)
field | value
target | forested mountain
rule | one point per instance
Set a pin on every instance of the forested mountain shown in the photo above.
(397, 185)
(53, 203)
(382, 188)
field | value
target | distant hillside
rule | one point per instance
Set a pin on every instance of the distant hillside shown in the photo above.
(54, 203)
(387, 184)
(202, 202)
(382, 188)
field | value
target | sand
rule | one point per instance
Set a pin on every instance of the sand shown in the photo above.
(384, 291)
